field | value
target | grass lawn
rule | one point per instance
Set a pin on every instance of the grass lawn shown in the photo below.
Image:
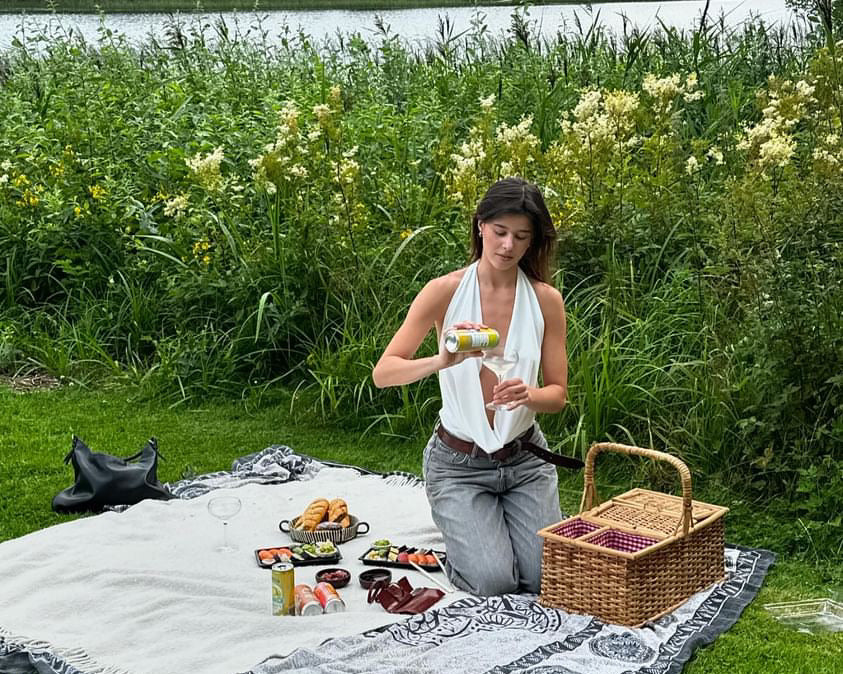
(35, 431)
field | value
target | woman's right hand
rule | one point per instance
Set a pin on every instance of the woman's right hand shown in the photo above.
(446, 358)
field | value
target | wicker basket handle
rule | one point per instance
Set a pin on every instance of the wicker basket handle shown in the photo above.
(589, 495)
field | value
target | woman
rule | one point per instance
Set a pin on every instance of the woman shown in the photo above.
(488, 495)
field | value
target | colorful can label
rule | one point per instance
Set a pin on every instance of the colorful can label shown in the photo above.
(306, 601)
(471, 340)
(329, 598)
(283, 583)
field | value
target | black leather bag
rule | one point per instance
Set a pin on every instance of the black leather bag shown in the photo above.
(104, 480)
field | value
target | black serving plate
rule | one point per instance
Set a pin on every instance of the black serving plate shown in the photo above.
(404, 565)
(307, 561)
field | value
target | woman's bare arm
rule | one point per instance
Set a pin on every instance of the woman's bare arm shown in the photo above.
(397, 365)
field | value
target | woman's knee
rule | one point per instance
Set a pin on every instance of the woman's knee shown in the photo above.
(485, 582)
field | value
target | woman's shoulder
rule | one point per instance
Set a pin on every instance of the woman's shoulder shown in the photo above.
(445, 286)
(550, 299)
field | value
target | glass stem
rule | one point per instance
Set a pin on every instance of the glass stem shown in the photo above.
(225, 534)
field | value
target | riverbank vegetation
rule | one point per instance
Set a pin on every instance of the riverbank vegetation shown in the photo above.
(220, 214)
(97, 6)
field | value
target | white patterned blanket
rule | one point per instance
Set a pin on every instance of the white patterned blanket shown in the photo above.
(142, 592)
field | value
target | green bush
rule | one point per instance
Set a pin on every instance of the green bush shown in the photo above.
(214, 215)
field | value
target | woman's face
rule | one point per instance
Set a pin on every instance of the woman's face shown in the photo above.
(506, 239)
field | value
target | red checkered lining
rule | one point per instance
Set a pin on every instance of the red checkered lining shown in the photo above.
(621, 541)
(575, 528)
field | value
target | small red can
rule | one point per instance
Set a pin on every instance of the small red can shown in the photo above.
(329, 598)
(306, 601)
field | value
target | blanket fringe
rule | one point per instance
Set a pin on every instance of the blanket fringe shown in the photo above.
(402, 479)
(56, 659)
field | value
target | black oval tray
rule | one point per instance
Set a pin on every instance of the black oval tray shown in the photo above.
(310, 561)
(402, 565)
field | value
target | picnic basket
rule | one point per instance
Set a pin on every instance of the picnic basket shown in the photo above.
(636, 557)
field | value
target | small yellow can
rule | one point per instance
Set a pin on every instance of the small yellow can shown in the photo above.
(283, 582)
(471, 340)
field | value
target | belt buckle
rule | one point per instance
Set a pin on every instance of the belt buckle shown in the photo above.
(510, 449)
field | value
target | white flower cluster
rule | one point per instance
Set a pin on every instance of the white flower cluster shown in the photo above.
(516, 146)
(281, 161)
(665, 90)
(692, 165)
(601, 118)
(206, 169)
(508, 150)
(488, 102)
(175, 206)
(347, 169)
(716, 155)
(771, 138)
(466, 165)
(830, 155)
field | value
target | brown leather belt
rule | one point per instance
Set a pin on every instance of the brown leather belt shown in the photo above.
(508, 450)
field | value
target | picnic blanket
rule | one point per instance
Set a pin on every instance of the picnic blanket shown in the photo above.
(142, 591)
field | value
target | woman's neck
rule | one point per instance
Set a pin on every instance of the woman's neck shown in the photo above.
(496, 278)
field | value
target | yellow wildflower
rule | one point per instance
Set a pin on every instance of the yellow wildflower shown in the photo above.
(97, 192)
(406, 233)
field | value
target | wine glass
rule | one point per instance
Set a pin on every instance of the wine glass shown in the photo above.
(500, 362)
(224, 508)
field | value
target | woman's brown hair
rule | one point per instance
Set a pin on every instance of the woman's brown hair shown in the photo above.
(514, 196)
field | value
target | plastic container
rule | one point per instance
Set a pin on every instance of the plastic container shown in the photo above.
(811, 616)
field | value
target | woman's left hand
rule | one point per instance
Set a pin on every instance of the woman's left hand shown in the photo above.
(512, 392)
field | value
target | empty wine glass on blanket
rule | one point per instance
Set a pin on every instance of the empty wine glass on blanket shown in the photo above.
(500, 362)
(224, 508)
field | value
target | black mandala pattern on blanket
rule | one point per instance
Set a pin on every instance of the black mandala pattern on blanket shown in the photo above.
(524, 664)
(476, 614)
(626, 647)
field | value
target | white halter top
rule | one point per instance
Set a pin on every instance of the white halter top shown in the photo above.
(463, 412)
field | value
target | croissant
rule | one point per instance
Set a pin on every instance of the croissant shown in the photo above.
(346, 521)
(337, 510)
(313, 514)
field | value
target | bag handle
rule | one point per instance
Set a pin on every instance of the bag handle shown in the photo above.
(589, 495)
(152, 443)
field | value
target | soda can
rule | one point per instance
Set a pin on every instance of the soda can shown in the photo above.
(471, 340)
(283, 582)
(329, 598)
(306, 601)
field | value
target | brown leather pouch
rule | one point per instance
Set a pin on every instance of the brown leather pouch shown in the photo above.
(400, 597)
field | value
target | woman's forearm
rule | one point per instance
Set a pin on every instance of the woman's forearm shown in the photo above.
(397, 371)
(547, 399)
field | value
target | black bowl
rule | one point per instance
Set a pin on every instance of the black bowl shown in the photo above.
(372, 576)
(336, 582)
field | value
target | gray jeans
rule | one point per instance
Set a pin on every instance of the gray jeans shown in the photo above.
(489, 513)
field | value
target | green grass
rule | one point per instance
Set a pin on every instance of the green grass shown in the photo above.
(35, 429)
(89, 6)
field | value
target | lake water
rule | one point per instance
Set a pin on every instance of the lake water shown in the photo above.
(414, 25)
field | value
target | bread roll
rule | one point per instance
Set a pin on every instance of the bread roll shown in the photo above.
(337, 510)
(313, 514)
